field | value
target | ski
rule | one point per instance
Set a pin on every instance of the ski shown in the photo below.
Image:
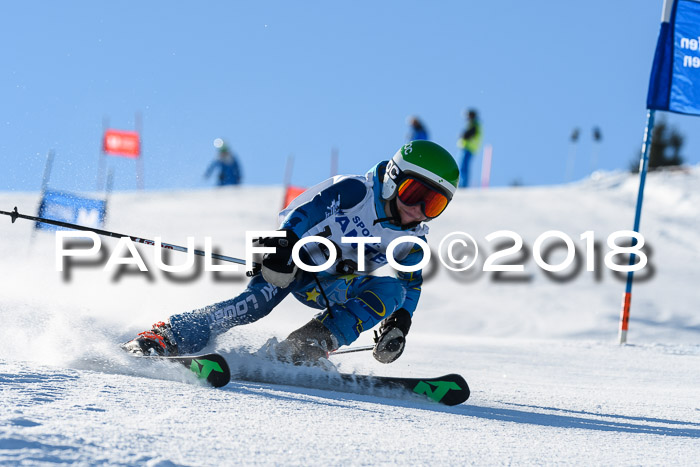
(448, 390)
(451, 389)
(211, 367)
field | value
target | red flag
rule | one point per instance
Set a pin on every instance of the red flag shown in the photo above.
(291, 194)
(122, 143)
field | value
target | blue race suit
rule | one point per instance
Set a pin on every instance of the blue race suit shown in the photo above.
(344, 206)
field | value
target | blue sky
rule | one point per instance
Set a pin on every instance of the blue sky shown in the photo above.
(280, 78)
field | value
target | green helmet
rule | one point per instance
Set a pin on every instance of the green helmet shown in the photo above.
(423, 160)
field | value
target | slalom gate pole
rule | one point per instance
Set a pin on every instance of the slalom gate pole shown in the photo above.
(643, 168)
(14, 215)
(486, 166)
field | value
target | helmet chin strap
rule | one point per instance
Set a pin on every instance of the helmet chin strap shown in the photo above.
(391, 217)
(396, 219)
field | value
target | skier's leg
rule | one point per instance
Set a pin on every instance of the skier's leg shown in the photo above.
(194, 329)
(371, 299)
(357, 303)
(189, 332)
(308, 344)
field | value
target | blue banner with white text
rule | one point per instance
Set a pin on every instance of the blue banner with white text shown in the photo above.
(71, 208)
(674, 84)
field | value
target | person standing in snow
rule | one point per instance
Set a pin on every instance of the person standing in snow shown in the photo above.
(226, 165)
(418, 130)
(394, 199)
(469, 142)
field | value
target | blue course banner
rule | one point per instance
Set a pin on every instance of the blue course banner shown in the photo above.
(68, 207)
(674, 84)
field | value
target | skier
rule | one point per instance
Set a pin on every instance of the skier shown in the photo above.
(392, 200)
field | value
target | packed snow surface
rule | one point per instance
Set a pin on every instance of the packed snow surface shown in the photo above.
(550, 383)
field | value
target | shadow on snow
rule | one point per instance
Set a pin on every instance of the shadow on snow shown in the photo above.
(523, 414)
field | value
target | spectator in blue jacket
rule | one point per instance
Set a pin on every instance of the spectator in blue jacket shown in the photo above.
(418, 130)
(229, 172)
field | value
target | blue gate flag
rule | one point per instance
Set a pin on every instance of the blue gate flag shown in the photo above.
(674, 84)
(68, 207)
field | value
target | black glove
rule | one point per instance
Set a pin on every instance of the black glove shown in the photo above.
(278, 268)
(391, 339)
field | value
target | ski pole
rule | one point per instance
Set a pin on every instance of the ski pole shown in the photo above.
(14, 215)
(353, 349)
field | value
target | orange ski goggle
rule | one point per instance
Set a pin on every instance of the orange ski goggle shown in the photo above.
(412, 192)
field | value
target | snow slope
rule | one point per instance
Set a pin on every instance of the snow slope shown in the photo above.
(549, 382)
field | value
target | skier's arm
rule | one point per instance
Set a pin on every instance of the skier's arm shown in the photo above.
(391, 341)
(412, 281)
(277, 268)
(342, 195)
